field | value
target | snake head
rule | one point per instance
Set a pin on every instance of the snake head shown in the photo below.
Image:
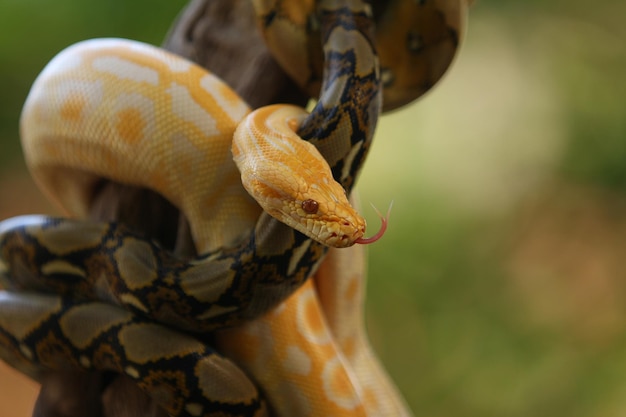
(291, 180)
(323, 213)
(320, 211)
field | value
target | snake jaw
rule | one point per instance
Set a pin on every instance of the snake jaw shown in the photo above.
(343, 233)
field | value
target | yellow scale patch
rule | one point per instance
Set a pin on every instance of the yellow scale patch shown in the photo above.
(221, 379)
(23, 313)
(60, 240)
(100, 317)
(136, 263)
(62, 267)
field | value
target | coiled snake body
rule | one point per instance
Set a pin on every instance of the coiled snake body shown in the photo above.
(134, 114)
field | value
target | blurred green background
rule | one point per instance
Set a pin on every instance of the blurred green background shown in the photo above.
(500, 287)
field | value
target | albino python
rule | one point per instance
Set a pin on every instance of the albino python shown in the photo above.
(87, 295)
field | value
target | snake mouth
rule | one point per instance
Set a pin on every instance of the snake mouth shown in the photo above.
(384, 221)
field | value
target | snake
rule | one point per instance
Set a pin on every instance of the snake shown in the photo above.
(94, 113)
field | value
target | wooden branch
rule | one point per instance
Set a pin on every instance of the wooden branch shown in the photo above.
(222, 36)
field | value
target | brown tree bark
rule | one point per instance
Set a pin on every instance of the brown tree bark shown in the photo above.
(220, 35)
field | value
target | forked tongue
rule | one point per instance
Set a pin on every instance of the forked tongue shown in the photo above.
(384, 220)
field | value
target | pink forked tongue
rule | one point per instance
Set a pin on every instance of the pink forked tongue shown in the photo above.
(384, 220)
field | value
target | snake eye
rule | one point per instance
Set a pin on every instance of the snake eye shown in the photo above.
(310, 206)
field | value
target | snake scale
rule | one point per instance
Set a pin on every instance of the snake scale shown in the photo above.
(98, 296)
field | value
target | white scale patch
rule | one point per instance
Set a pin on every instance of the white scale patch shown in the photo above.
(126, 70)
(281, 143)
(145, 107)
(235, 109)
(174, 63)
(62, 267)
(297, 255)
(348, 402)
(349, 159)
(187, 109)
(26, 351)
(297, 361)
(280, 309)
(130, 299)
(89, 93)
(334, 91)
(319, 336)
(132, 372)
(85, 362)
(194, 409)
(216, 310)
(250, 143)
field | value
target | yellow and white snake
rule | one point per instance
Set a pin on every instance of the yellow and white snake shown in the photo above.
(96, 296)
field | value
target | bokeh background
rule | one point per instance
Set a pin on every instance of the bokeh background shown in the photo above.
(500, 287)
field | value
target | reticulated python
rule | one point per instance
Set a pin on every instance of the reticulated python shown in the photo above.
(95, 112)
